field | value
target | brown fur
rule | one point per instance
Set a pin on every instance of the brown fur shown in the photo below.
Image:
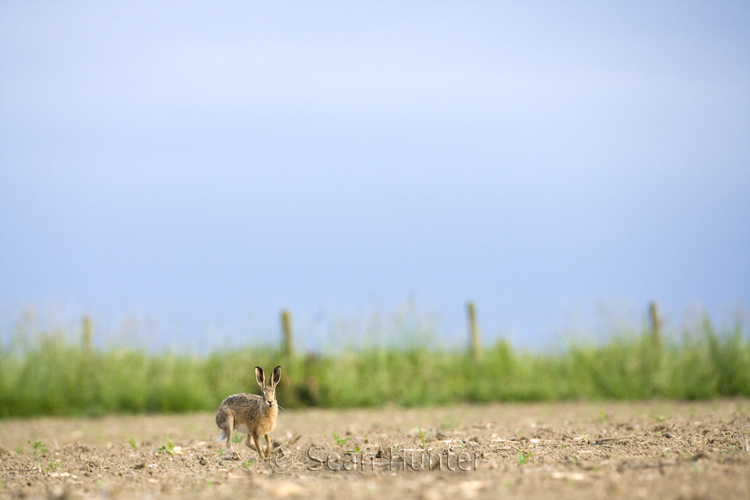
(252, 414)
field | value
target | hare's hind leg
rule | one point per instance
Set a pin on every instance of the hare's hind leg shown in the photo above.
(258, 447)
(228, 430)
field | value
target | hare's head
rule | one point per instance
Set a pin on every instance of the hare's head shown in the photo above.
(268, 391)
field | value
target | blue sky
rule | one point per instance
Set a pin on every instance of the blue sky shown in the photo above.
(204, 164)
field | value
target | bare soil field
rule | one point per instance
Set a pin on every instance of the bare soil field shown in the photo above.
(655, 449)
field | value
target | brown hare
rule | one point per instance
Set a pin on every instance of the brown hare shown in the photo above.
(251, 414)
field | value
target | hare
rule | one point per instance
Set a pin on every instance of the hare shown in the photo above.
(252, 414)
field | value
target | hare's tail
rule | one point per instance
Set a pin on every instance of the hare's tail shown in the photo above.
(223, 436)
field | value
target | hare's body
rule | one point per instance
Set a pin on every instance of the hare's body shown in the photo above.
(251, 414)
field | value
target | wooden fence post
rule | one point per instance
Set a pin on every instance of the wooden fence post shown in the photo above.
(87, 333)
(286, 328)
(476, 348)
(653, 312)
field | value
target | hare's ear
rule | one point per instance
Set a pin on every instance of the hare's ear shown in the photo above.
(276, 376)
(260, 376)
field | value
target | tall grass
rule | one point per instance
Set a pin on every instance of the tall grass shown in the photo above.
(52, 376)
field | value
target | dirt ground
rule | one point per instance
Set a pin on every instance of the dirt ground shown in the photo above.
(652, 449)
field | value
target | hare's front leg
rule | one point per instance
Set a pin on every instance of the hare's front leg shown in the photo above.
(247, 441)
(269, 446)
(258, 447)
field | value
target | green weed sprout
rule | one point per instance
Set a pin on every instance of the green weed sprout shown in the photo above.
(421, 434)
(341, 441)
(167, 448)
(523, 458)
(39, 448)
